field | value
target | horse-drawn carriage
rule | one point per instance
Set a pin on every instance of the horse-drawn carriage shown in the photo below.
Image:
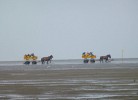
(88, 57)
(30, 58)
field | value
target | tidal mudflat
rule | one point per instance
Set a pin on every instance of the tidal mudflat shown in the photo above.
(69, 82)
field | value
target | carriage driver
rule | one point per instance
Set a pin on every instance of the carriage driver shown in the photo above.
(91, 53)
(32, 54)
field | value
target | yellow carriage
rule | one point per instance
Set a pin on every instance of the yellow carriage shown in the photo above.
(30, 58)
(87, 56)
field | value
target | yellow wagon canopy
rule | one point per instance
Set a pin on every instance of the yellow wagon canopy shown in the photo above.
(86, 55)
(30, 57)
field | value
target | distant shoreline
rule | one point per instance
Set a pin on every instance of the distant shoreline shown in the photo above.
(72, 61)
(113, 59)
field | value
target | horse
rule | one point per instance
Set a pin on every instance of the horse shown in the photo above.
(44, 59)
(105, 58)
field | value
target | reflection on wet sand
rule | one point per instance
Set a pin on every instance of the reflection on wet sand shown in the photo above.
(69, 81)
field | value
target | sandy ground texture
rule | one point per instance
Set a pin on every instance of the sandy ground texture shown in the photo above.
(69, 82)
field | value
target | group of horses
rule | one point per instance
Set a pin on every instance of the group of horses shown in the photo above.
(49, 58)
(102, 59)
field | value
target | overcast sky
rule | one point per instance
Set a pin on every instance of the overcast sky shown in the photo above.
(66, 28)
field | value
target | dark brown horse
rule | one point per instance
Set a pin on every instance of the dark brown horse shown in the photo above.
(46, 59)
(104, 58)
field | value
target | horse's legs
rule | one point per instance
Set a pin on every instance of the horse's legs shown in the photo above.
(106, 60)
(43, 62)
(101, 60)
(47, 62)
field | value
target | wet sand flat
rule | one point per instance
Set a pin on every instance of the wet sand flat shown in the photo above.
(69, 82)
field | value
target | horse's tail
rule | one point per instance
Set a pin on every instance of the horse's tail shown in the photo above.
(42, 59)
(101, 57)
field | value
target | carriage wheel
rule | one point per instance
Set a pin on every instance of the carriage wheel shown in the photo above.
(27, 63)
(86, 61)
(92, 60)
(34, 62)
